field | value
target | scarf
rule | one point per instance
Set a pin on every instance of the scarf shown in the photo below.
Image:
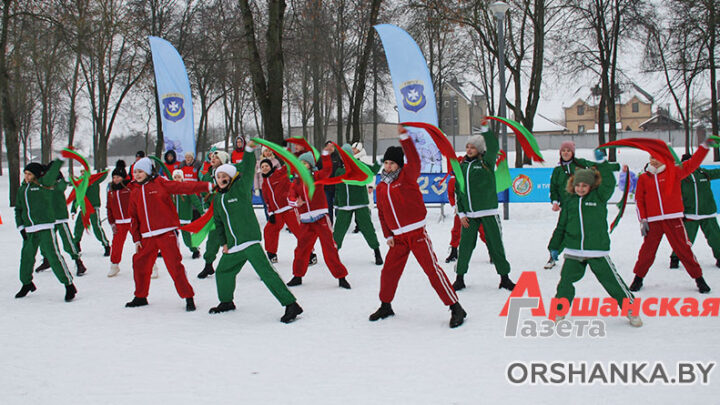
(655, 170)
(389, 177)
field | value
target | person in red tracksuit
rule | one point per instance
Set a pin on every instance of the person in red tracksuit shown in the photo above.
(314, 224)
(456, 229)
(402, 216)
(118, 215)
(154, 221)
(660, 210)
(275, 189)
(239, 151)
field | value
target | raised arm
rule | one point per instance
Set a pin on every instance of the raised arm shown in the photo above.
(695, 161)
(50, 177)
(413, 165)
(492, 147)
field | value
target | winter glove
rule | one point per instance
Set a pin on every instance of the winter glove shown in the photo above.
(23, 234)
(599, 155)
(644, 227)
(271, 219)
(114, 228)
(554, 254)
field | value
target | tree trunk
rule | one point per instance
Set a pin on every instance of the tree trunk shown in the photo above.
(362, 69)
(713, 77)
(8, 114)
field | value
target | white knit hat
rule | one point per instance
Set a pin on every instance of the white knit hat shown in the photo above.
(230, 170)
(223, 156)
(178, 172)
(479, 142)
(144, 164)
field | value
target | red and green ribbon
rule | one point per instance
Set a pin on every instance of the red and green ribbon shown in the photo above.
(355, 173)
(292, 161)
(299, 140)
(503, 180)
(527, 140)
(201, 227)
(657, 149)
(445, 148)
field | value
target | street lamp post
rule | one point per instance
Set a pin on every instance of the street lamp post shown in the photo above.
(499, 8)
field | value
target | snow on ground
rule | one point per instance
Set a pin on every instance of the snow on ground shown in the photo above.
(94, 350)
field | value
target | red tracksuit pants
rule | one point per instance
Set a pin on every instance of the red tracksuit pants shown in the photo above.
(417, 242)
(457, 230)
(118, 241)
(674, 230)
(309, 233)
(271, 232)
(143, 262)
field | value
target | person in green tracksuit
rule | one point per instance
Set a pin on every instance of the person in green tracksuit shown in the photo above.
(61, 226)
(93, 195)
(353, 199)
(477, 206)
(582, 234)
(558, 181)
(212, 245)
(185, 205)
(239, 235)
(35, 219)
(700, 210)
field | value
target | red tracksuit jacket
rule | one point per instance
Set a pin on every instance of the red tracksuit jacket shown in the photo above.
(236, 156)
(275, 191)
(654, 202)
(151, 208)
(118, 206)
(400, 204)
(316, 206)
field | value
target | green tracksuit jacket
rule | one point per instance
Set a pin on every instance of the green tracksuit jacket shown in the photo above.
(34, 204)
(560, 176)
(697, 194)
(480, 197)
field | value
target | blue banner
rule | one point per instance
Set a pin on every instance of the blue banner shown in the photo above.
(174, 97)
(414, 92)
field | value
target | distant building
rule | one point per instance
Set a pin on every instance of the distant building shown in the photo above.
(661, 122)
(633, 107)
(460, 112)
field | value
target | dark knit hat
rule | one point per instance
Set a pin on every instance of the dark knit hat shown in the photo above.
(120, 169)
(686, 157)
(395, 154)
(140, 154)
(35, 168)
(268, 161)
(586, 176)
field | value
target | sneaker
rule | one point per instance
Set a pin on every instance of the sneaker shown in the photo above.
(453, 255)
(550, 264)
(313, 259)
(702, 285)
(636, 284)
(25, 289)
(43, 266)
(154, 272)
(81, 269)
(378, 257)
(114, 270)
(272, 257)
(506, 283)
(195, 254)
(190, 305)
(294, 281)
(459, 283)
(383, 312)
(674, 262)
(207, 271)
(634, 320)
(107, 251)
(457, 316)
(136, 302)
(70, 292)
(223, 307)
(343, 283)
(291, 312)
(717, 263)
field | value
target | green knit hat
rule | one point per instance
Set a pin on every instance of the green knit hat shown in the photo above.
(586, 176)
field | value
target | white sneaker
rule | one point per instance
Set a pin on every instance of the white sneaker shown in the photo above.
(114, 270)
(154, 272)
(549, 265)
(634, 320)
(559, 318)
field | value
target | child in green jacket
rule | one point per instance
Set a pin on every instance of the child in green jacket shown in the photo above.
(93, 195)
(35, 219)
(582, 232)
(478, 206)
(185, 205)
(212, 245)
(239, 235)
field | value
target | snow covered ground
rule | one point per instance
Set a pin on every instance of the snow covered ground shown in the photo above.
(94, 350)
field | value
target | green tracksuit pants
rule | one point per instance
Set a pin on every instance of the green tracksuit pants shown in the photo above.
(231, 264)
(186, 237)
(710, 229)
(362, 217)
(212, 245)
(46, 241)
(63, 229)
(574, 269)
(493, 239)
(97, 229)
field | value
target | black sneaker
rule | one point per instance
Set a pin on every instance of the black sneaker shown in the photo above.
(378, 257)
(195, 254)
(313, 259)
(674, 262)
(43, 266)
(291, 312)
(190, 304)
(207, 271)
(137, 302)
(453, 255)
(506, 283)
(702, 285)
(294, 281)
(70, 292)
(457, 316)
(356, 230)
(25, 289)
(636, 284)
(383, 312)
(459, 283)
(717, 263)
(343, 283)
(107, 251)
(272, 257)
(81, 269)
(223, 307)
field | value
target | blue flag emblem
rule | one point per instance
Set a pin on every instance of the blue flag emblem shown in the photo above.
(413, 96)
(173, 107)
